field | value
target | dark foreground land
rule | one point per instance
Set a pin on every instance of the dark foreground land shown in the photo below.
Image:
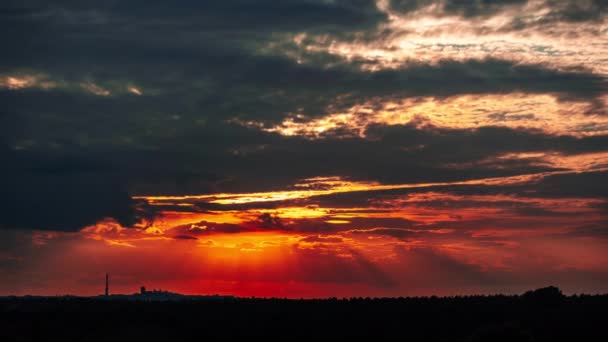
(543, 315)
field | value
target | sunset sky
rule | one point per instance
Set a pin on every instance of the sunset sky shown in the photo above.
(303, 148)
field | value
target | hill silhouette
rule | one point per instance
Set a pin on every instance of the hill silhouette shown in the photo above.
(540, 315)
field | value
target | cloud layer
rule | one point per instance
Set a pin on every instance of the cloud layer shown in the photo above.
(305, 146)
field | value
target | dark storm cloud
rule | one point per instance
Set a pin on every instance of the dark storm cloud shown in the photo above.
(466, 8)
(571, 185)
(192, 66)
(226, 77)
(588, 184)
(202, 158)
(225, 14)
(446, 155)
(234, 84)
(67, 185)
(43, 193)
(469, 8)
(470, 144)
(193, 71)
(84, 34)
(200, 64)
(488, 76)
(185, 237)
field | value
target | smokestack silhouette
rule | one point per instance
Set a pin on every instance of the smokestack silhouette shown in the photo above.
(107, 286)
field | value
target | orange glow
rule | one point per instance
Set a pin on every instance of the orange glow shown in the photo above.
(408, 148)
(17, 82)
(388, 245)
(367, 260)
(346, 186)
(543, 112)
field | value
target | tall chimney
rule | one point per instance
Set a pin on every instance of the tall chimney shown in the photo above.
(107, 287)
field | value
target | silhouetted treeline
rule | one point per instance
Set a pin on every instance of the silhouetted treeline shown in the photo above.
(541, 315)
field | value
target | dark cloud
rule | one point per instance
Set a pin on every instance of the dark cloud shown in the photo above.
(575, 11)
(267, 89)
(269, 221)
(88, 36)
(447, 155)
(321, 239)
(44, 193)
(556, 11)
(211, 14)
(392, 232)
(602, 206)
(185, 237)
(203, 65)
(218, 73)
(175, 138)
(569, 185)
(465, 8)
(588, 184)
(597, 229)
(214, 74)
(468, 8)
(371, 222)
(534, 211)
(405, 6)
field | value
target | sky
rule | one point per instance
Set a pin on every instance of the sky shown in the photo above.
(303, 148)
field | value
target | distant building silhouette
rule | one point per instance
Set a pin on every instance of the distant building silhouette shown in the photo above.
(107, 286)
(142, 290)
